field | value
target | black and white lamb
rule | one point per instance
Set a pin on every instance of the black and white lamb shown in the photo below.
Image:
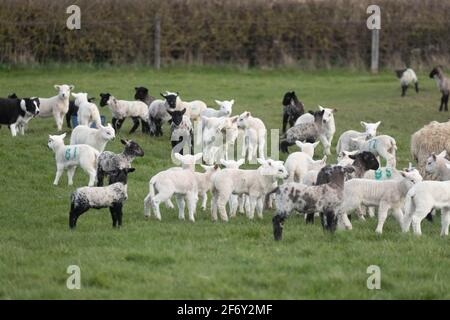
(182, 131)
(113, 196)
(108, 161)
(443, 84)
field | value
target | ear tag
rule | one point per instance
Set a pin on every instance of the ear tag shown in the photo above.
(388, 172)
(378, 174)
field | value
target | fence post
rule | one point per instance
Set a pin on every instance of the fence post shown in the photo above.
(157, 43)
(375, 50)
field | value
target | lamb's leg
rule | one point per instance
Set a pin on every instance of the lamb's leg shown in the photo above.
(244, 145)
(260, 207)
(181, 204)
(114, 123)
(398, 215)
(92, 173)
(277, 222)
(147, 206)
(442, 102)
(416, 85)
(169, 204)
(345, 221)
(406, 223)
(68, 118)
(135, 124)
(371, 211)
(261, 146)
(309, 218)
(58, 119)
(445, 221)
(144, 126)
(114, 217)
(416, 220)
(252, 201)
(59, 172)
(214, 207)
(285, 121)
(13, 129)
(233, 202)
(326, 144)
(119, 213)
(70, 174)
(251, 150)
(221, 205)
(100, 176)
(404, 88)
(382, 215)
(446, 101)
(204, 199)
(75, 212)
(191, 199)
(241, 200)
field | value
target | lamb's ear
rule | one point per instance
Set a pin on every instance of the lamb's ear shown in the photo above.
(218, 102)
(73, 94)
(377, 124)
(311, 112)
(71, 87)
(183, 111)
(232, 101)
(352, 156)
(443, 154)
(241, 162)
(403, 173)
(321, 108)
(57, 86)
(248, 114)
(63, 135)
(434, 156)
(299, 144)
(162, 95)
(315, 144)
(234, 119)
(334, 110)
(124, 142)
(131, 170)
(363, 124)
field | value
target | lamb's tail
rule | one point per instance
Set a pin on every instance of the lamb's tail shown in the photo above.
(149, 197)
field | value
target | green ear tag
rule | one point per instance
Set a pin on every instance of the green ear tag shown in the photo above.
(378, 174)
(388, 172)
(67, 155)
(75, 153)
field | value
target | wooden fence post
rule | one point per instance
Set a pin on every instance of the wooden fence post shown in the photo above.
(375, 50)
(157, 43)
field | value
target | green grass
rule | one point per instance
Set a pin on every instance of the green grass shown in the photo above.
(171, 259)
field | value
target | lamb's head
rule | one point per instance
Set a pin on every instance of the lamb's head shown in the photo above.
(55, 141)
(328, 115)
(399, 72)
(107, 133)
(177, 116)
(433, 160)
(289, 98)
(232, 164)
(64, 90)
(107, 99)
(141, 93)
(370, 129)
(13, 96)
(188, 161)
(436, 72)
(210, 170)
(171, 99)
(412, 177)
(242, 121)
(226, 107)
(272, 168)
(366, 160)
(229, 127)
(120, 175)
(132, 148)
(318, 164)
(30, 106)
(80, 97)
(318, 117)
(344, 157)
(307, 147)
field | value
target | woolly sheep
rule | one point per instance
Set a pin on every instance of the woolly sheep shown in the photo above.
(384, 146)
(345, 142)
(87, 111)
(96, 138)
(443, 83)
(421, 199)
(69, 157)
(193, 108)
(329, 126)
(112, 196)
(254, 183)
(388, 194)
(432, 138)
(407, 77)
(57, 105)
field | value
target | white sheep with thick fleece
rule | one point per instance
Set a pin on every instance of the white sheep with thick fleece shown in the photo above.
(96, 138)
(87, 111)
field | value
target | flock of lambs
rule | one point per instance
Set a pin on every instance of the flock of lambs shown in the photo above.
(312, 187)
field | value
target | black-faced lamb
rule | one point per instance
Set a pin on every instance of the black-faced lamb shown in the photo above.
(325, 198)
(443, 84)
(292, 109)
(407, 77)
(182, 131)
(109, 162)
(113, 196)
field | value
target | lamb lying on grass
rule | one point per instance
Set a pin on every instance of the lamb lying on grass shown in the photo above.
(112, 196)
(385, 195)
(421, 199)
(69, 157)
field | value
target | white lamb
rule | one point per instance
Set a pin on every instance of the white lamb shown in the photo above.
(193, 108)
(218, 137)
(437, 166)
(388, 194)
(345, 142)
(225, 109)
(204, 182)
(122, 109)
(69, 157)
(299, 163)
(87, 111)
(180, 182)
(384, 146)
(96, 138)
(254, 135)
(421, 199)
(57, 105)
(254, 183)
(235, 200)
(328, 124)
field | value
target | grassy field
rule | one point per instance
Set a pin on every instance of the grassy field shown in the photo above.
(171, 259)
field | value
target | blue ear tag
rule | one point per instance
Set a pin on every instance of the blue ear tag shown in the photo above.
(388, 172)
(67, 155)
(378, 174)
